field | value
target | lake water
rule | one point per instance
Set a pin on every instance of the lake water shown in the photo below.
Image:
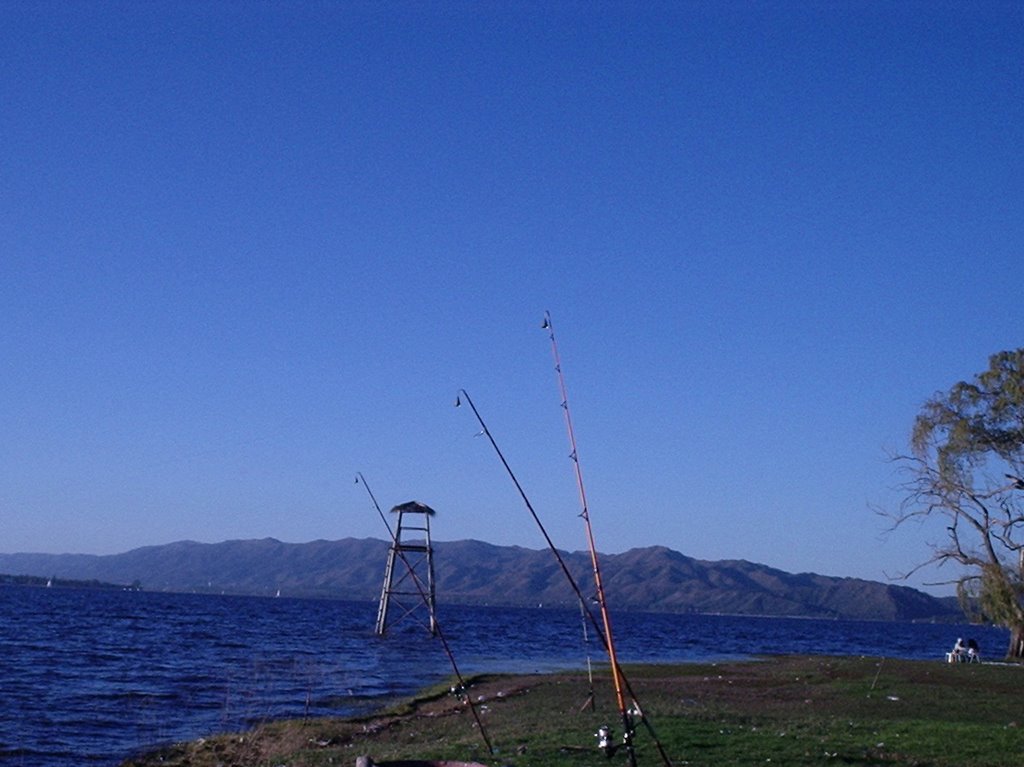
(91, 677)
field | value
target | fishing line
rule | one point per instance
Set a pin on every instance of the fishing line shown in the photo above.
(360, 479)
(590, 701)
(595, 624)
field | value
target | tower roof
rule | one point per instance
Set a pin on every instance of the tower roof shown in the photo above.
(413, 507)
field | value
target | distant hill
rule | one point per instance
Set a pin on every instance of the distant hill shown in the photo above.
(652, 579)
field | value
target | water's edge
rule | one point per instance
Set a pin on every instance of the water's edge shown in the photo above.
(91, 677)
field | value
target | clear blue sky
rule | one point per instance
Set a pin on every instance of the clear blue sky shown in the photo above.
(249, 249)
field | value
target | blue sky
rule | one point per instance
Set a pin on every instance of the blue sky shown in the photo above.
(249, 249)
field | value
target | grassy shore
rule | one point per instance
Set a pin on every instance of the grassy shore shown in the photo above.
(795, 710)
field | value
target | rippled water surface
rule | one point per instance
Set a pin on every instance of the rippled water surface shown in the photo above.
(90, 677)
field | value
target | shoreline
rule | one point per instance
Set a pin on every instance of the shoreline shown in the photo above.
(790, 709)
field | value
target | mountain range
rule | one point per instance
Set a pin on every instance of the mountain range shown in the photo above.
(655, 578)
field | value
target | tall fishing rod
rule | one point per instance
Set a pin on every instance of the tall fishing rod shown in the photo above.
(602, 602)
(360, 479)
(617, 673)
(598, 630)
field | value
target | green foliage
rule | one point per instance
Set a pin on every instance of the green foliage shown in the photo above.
(994, 596)
(976, 421)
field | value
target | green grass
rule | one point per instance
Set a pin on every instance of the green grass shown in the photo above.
(778, 711)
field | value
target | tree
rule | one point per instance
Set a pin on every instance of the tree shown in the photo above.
(965, 467)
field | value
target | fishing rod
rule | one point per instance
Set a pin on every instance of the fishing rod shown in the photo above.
(630, 715)
(604, 736)
(463, 394)
(602, 602)
(617, 674)
(462, 688)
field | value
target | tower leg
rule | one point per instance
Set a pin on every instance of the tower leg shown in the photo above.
(385, 594)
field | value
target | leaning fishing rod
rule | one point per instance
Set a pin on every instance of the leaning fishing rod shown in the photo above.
(604, 741)
(464, 395)
(462, 688)
(602, 603)
(617, 674)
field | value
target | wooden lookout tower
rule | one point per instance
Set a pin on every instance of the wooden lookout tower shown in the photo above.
(409, 583)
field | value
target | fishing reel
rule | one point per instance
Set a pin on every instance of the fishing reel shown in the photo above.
(460, 692)
(606, 736)
(605, 740)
